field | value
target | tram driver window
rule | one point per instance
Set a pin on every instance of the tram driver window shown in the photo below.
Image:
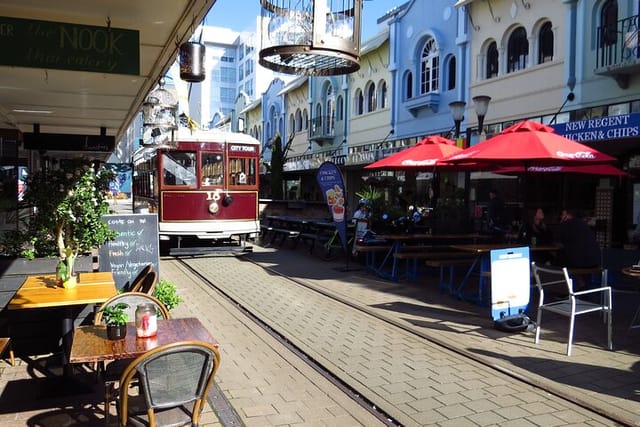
(242, 171)
(179, 168)
(212, 169)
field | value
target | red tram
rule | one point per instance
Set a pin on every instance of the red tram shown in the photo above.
(204, 186)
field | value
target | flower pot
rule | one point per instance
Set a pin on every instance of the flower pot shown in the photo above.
(116, 332)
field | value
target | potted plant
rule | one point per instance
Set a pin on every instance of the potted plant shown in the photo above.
(67, 206)
(165, 291)
(115, 317)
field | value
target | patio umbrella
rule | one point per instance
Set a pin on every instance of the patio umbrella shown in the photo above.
(422, 156)
(526, 144)
(589, 169)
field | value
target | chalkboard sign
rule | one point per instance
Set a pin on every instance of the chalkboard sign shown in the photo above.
(135, 247)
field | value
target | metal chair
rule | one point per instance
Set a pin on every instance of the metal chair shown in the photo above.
(147, 284)
(574, 304)
(112, 372)
(173, 382)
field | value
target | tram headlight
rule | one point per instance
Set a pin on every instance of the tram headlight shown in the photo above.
(213, 207)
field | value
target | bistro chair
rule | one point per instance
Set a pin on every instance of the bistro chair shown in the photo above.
(574, 304)
(147, 284)
(135, 283)
(112, 372)
(173, 381)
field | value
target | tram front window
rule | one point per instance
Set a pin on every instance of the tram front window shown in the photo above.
(179, 168)
(212, 169)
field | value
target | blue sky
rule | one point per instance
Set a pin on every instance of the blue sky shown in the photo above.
(239, 15)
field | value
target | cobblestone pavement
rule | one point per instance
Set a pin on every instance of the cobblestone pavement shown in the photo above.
(414, 381)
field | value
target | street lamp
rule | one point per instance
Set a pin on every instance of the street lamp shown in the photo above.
(457, 112)
(481, 104)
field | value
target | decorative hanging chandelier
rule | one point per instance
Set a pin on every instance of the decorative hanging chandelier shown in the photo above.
(311, 37)
(159, 117)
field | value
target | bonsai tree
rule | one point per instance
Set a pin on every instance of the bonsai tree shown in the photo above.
(115, 315)
(67, 205)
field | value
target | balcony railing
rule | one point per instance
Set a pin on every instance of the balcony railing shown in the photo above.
(618, 49)
(322, 129)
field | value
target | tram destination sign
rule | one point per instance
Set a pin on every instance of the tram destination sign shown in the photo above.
(65, 46)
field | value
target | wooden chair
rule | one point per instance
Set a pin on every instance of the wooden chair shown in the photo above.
(574, 304)
(111, 373)
(136, 282)
(173, 382)
(5, 343)
(147, 284)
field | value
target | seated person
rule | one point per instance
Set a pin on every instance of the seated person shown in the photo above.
(537, 233)
(362, 212)
(579, 248)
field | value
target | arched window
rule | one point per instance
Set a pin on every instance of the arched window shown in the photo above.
(305, 119)
(371, 97)
(382, 94)
(298, 120)
(358, 103)
(292, 124)
(517, 50)
(609, 23)
(492, 61)
(330, 102)
(408, 85)
(429, 68)
(545, 43)
(340, 109)
(451, 74)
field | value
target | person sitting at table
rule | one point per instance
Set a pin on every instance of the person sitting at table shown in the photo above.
(362, 212)
(579, 247)
(535, 233)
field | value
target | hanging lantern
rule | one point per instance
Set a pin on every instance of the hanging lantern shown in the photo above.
(313, 38)
(192, 62)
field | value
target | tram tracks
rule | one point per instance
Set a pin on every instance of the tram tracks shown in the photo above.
(327, 371)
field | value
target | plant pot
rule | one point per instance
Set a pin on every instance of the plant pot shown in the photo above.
(116, 332)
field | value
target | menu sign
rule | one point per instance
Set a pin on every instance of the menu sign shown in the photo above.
(135, 247)
(332, 186)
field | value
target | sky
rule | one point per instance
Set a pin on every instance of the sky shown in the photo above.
(239, 15)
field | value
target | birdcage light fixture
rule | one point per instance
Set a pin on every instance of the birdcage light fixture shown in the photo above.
(159, 117)
(311, 37)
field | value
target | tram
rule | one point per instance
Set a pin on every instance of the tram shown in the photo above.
(203, 186)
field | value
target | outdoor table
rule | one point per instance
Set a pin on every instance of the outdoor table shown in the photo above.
(633, 271)
(90, 343)
(483, 264)
(397, 241)
(43, 291)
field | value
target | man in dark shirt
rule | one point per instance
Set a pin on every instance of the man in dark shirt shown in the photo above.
(579, 246)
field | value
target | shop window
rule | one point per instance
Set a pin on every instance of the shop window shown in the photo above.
(242, 171)
(212, 169)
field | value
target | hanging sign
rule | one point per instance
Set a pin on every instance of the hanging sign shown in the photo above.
(332, 186)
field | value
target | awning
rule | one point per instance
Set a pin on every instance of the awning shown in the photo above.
(461, 3)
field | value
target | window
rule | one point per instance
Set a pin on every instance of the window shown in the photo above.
(451, 80)
(227, 75)
(292, 123)
(227, 94)
(359, 103)
(517, 50)
(371, 97)
(429, 68)
(340, 109)
(408, 85)
(242, 171)
(545, 42)
(330, 102)
(179, 168)
(212, 169)
(609, 23)
(240, 72)
(492, 61)
(382, 90)
(305, 119)
(298, 120)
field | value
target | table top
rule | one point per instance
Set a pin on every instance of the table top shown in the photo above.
(43, 290)
(422, 236)
(90, 343)
(481, 248)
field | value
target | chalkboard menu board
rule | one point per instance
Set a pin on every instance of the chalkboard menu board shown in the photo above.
(135, 247)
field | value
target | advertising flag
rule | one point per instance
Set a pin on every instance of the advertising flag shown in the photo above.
(332, 186)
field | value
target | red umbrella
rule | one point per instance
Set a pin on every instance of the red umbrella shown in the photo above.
(589, 169)
(424, 155)
(528, 143)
